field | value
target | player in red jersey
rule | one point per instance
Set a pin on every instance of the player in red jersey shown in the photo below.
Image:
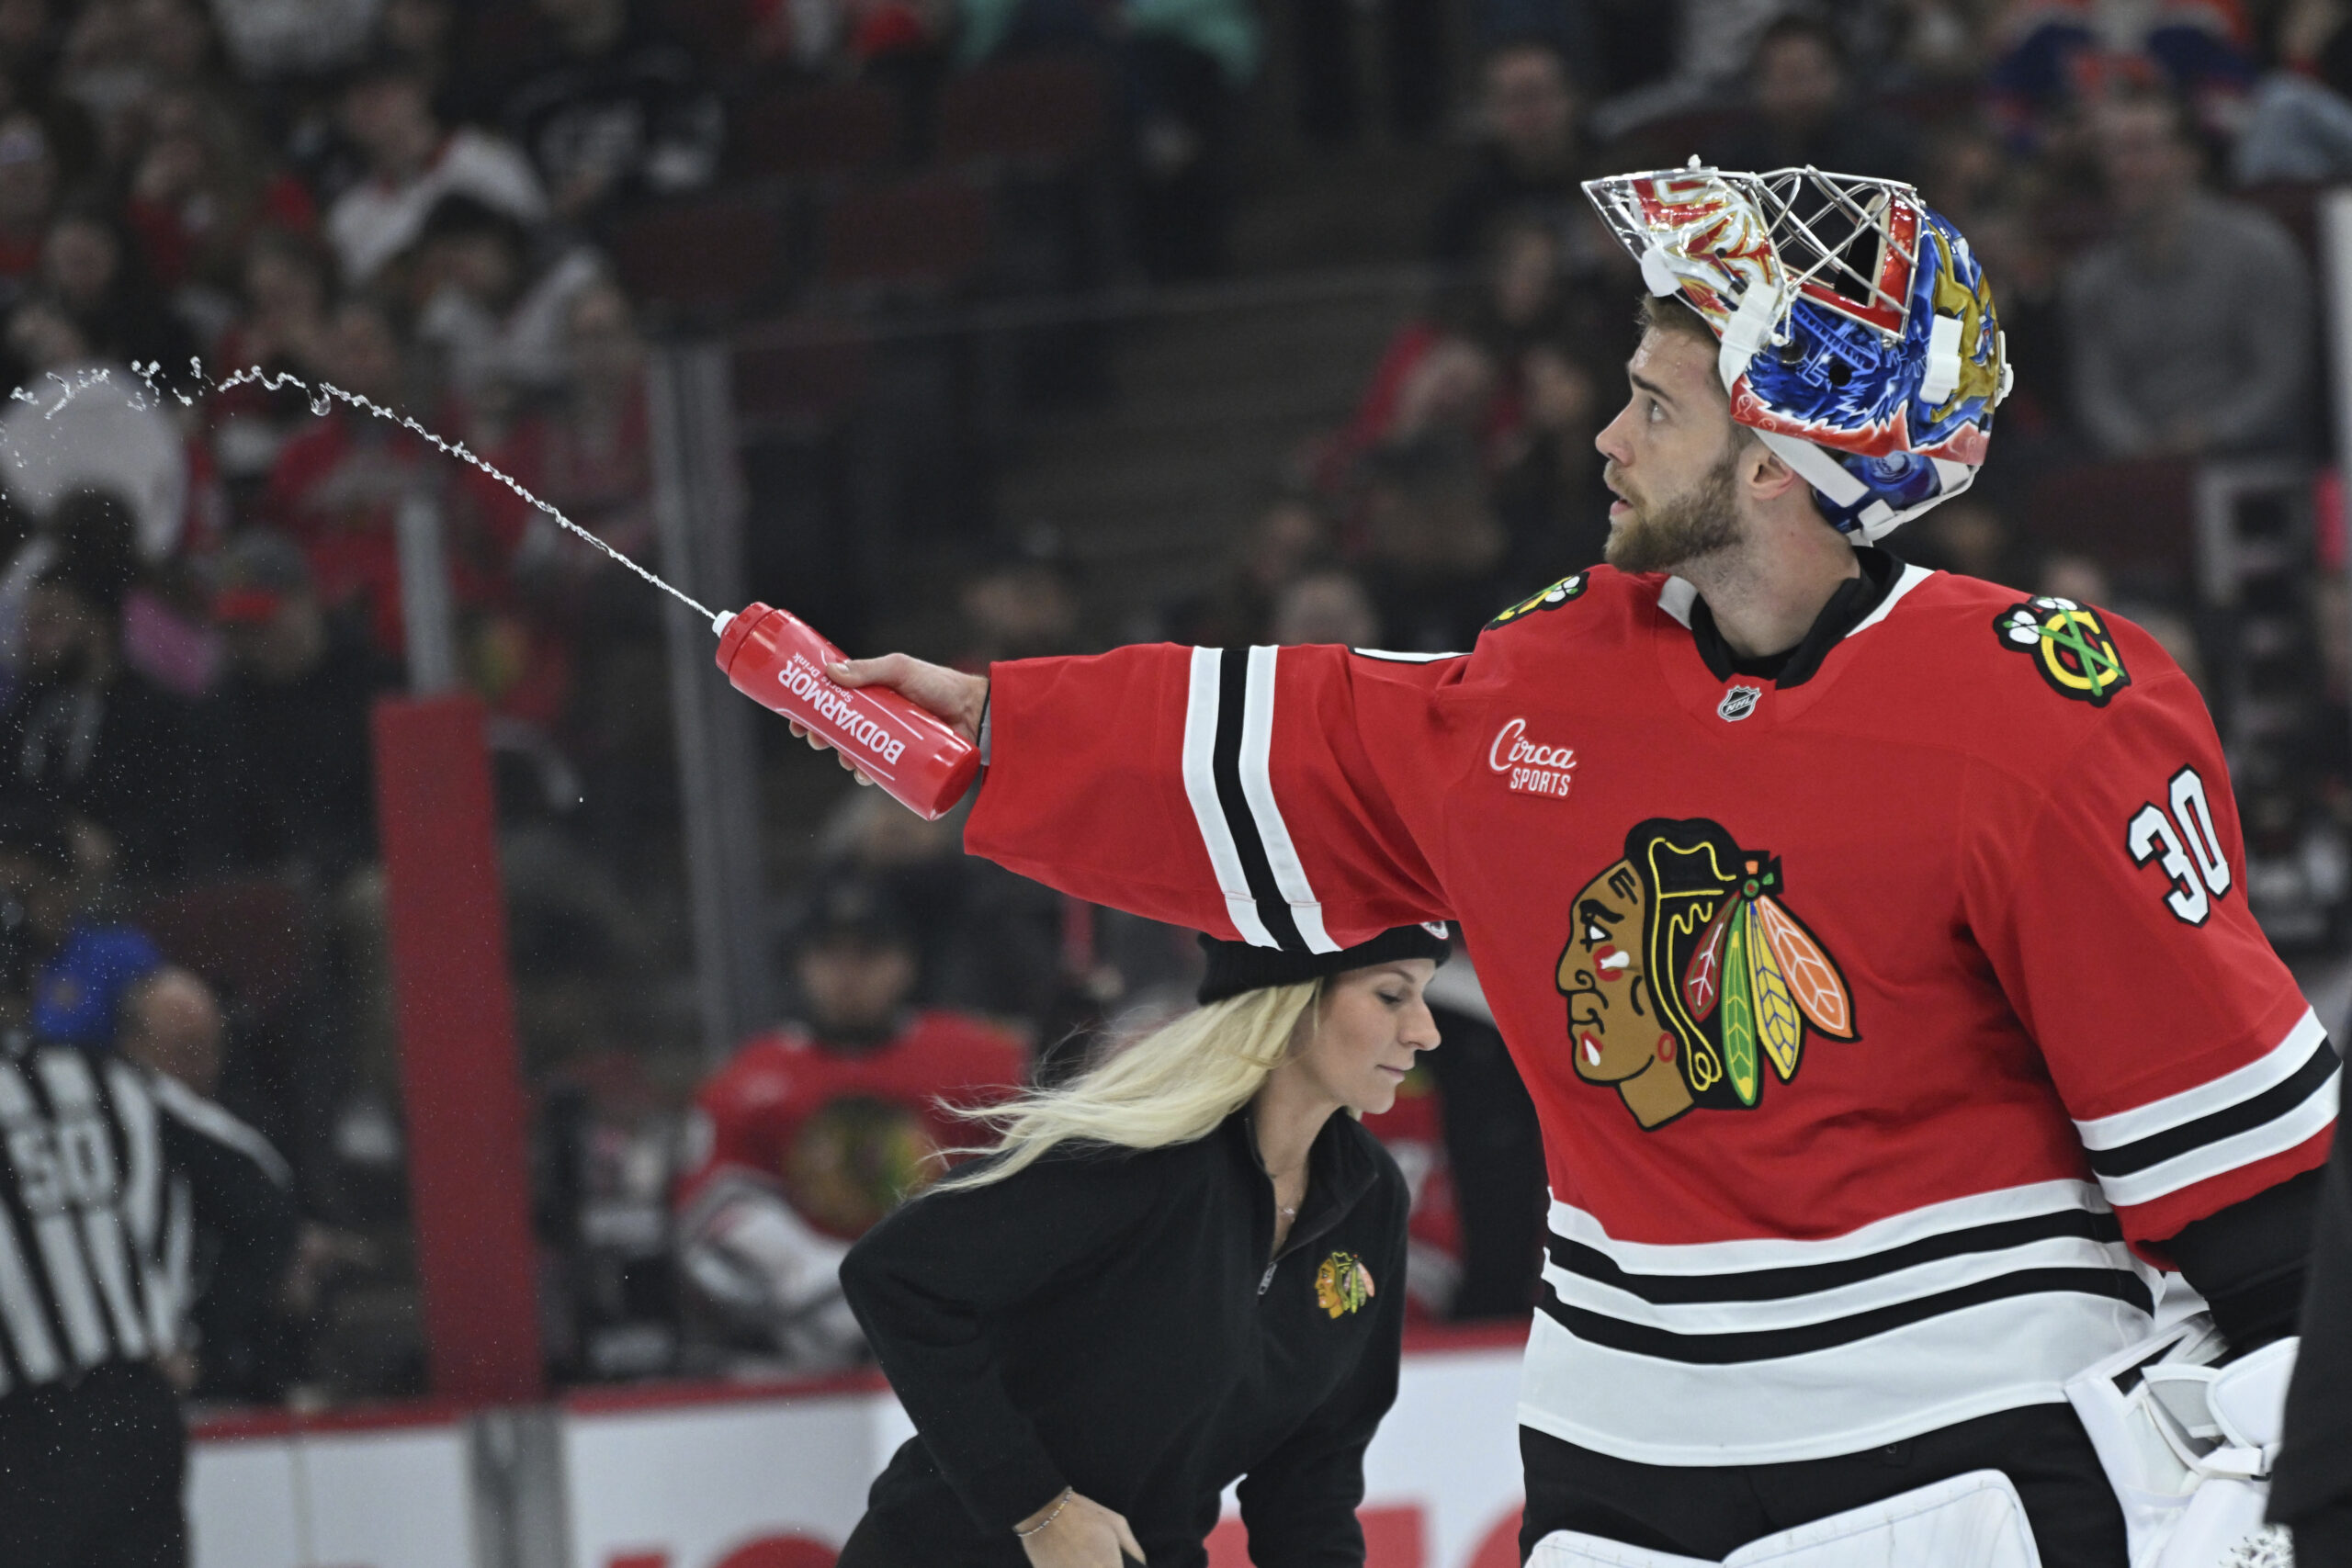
(814, 1131)
(1873, 941)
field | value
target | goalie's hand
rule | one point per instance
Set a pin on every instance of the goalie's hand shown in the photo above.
(952, 696)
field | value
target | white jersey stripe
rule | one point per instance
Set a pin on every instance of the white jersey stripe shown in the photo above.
(142, 1204)
(2274, 1136)
(1208, 812)
(1676, 599)
(67, 1078)
(1911, 578)
(2273, 1068)
(1257, 787)
(1573, 1224)
(16, 1097)
(1842, 1400)
(20, 1309)
(102, 1234)
(1840, 1302)
(69, 1286)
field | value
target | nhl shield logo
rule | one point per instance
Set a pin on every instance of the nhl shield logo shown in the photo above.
(1738, 702)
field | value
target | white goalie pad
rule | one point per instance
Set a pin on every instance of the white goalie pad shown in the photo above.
(2188, 1446)
(1970, 1521)
(745, 1251)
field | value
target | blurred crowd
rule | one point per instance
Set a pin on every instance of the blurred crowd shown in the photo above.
(484, 215)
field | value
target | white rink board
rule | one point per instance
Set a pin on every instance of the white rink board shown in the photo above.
(777, 1478)
(1451, 1448)
(654, 1488)
(695, 1487)
(385, 1499)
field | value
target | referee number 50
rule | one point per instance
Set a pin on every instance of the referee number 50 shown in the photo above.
(2183, 842)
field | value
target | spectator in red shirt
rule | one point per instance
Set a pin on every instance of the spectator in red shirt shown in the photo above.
(589, 454)
(338, 486)
(286, 280)
(817, 1129)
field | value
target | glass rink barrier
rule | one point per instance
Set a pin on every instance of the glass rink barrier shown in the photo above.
(708, 1475)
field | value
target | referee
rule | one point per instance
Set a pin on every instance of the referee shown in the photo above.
(109, 1170)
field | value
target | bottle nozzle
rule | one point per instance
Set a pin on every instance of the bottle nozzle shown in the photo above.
(719, 621)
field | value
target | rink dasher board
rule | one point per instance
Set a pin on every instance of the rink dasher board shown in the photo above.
(774, 1476)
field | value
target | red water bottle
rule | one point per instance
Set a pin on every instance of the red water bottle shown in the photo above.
(778, 661)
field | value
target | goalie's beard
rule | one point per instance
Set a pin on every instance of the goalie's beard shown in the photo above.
(1667, 535)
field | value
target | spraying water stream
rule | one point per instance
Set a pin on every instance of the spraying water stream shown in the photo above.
(323, 396)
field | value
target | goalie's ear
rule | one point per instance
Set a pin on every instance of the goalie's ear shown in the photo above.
(1764, 475)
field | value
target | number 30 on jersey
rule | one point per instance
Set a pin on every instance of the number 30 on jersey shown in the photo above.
(2182, 841)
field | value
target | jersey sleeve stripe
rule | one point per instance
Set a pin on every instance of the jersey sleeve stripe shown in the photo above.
(1201, 716)
(2127, 1159)
(2299, 1123)
(1257, 787)
(1240, 825)
(2273, 1068)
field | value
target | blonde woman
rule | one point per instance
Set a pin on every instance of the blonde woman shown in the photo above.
(1183, 1268)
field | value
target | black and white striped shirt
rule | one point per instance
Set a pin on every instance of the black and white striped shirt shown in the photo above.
(107, 1172)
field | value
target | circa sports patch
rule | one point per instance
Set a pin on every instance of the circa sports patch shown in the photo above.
(2069, 644)
(1551, 598)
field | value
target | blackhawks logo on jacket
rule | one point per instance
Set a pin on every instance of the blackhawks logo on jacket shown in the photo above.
(1687, 978)
(1342, 1284)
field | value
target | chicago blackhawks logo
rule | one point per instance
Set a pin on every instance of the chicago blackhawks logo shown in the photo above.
(1551, 598)
(856, 1159)
(1342, 1284)
(2069, 644)
(1686, 976)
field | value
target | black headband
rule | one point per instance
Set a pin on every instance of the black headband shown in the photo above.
(1236, 967)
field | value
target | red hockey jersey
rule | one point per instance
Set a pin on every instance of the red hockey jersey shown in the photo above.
(845, 1135)
(1872, 1021)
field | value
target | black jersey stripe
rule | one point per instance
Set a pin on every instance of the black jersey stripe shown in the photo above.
(97, 1209)
(1764, 1345)
(1803, 1279)
(2228, 1121)
(1225, 766)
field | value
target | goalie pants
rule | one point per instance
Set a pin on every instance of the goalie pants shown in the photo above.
(1712, 1511)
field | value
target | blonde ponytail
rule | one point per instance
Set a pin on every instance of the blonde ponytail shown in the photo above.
(1173, 1085)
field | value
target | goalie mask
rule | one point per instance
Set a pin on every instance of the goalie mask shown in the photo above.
(1858, 333)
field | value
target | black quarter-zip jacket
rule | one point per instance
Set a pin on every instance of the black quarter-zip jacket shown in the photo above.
(1108, 1319)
